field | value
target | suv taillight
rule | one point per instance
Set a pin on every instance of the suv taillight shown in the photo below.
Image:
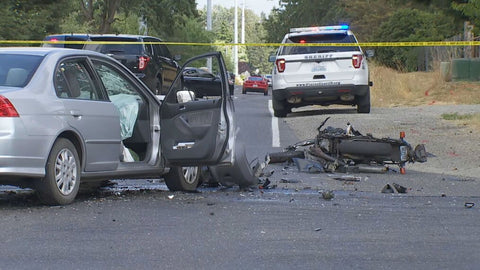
(357, 60)
(280, 63)
(6, 108)
(143, 62)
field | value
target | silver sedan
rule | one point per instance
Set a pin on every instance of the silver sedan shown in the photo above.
(72, 115)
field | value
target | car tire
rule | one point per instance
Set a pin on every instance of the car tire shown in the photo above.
(244, 91)
(363, 103)
(265, 93)
(62, 179)
(279, 109)
(183, 178)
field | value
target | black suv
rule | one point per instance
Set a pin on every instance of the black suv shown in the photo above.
(149, 60)
(72, 41)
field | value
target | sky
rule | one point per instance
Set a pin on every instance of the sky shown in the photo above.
(258, 6)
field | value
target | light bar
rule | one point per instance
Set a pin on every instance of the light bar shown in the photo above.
(319, 28)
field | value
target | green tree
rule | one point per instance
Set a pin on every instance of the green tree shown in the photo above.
(410, 25)
(302, 13)
(30, 19)
(471, 10)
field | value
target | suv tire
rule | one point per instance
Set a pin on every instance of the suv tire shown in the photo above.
(279, 109)
(363, 103)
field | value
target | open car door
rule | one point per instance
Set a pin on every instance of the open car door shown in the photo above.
(198, 131)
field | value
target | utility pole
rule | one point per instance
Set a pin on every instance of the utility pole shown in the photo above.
(235, 40)
(243, 22)
(209, 28)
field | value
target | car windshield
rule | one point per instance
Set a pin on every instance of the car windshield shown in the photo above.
(254, 78)
(16, 70)
(124, 48)
(319, 38)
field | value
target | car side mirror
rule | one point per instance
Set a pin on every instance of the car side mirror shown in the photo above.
(272, 58)
(370, 53)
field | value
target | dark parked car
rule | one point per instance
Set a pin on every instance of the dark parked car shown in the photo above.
(150, 61)
(72, 41)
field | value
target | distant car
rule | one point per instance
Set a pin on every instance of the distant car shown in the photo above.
(143, 55)
(72, 41)
(200, 81)
(269, 79)
(69, 115)
(255, 84)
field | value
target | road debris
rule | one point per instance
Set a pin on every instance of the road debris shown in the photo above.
(347, 150)
(469, 204)
(328, 195)
(394, 188)
(347, 177)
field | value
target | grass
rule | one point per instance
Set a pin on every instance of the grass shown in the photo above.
(392, 88)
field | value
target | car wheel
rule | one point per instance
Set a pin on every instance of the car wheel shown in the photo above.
(279, 108)
(363, 103)
(244, 91)
(183, 178)
(62, 179)
(265, 93)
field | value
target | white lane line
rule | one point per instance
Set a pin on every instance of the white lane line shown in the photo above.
(275, 131)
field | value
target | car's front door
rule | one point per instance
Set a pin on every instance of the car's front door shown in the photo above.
(198, 131)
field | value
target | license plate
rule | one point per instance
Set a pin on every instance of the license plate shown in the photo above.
(255, 85)
(403, 153)
(318, 67)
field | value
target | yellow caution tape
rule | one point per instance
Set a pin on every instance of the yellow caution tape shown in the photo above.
(362, 44)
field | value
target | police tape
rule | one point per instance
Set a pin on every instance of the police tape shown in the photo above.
(361, 44)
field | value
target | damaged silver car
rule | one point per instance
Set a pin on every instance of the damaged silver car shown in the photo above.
(71, 116)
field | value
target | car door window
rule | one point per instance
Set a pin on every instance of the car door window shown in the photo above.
(74, 81)
(124, 95)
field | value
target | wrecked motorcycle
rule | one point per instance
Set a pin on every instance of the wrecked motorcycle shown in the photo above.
(347, 150)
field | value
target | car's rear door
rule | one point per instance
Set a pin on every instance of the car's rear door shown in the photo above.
(90, 113)
(197, 131)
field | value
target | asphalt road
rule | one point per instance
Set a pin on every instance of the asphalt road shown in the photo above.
(141, 225)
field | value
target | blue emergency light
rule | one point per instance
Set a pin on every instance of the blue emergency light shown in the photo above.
(319, 28)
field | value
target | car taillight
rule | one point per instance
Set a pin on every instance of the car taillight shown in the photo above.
(143, 62)
(6, 108)
(280, 63)
(357, 60)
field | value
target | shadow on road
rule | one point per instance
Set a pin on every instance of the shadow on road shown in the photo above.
(329, 111)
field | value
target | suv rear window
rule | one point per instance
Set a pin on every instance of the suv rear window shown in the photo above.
(118, 49)
(319, 38)
(16, 70)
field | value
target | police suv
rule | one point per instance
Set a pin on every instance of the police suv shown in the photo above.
(320, 66)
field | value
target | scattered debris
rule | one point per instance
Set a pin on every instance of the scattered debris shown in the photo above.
(394, 188)
(347, 150)
(307, 165)
(327, 195)
(347, 178)
(171, 197)
(289, 181)
(469, 204)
